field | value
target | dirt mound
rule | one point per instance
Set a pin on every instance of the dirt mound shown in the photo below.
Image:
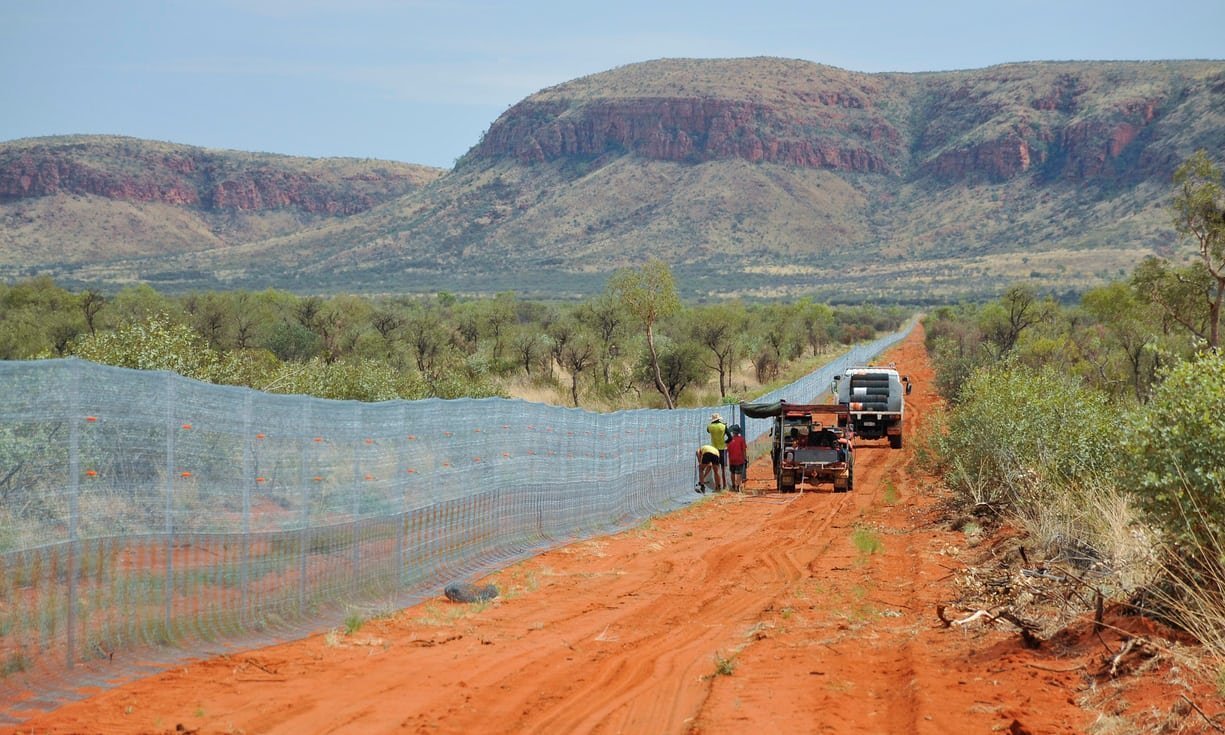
(812, 612)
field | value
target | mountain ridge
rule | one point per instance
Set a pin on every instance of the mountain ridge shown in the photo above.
(751, 176)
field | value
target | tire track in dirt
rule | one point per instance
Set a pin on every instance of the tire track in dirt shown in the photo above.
(720, 598)
(815, 631)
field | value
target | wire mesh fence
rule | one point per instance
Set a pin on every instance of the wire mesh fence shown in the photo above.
(145, 517)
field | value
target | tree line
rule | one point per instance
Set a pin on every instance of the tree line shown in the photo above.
(634, 345)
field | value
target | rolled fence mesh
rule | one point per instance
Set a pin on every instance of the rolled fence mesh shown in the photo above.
(146, 518)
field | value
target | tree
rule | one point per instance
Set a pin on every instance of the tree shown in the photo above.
(717, 328)
(526, 344)
(1199, 213)
(37, 317)
(1003, 321)
(576, 357)
(648, 294)
(91, 303)
(777, 339)
(425, 334)
(816, 320)
(499, 316)
(680, 365)
(1130, 326)
(340, 322)
(604, 318)
(138, 303)
(1178, 292)
(248, 316)
(210, 315)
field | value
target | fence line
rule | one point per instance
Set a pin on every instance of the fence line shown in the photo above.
(146, 517)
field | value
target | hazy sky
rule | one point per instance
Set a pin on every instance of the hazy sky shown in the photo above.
(421, 80)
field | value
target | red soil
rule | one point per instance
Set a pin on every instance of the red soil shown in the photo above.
(742, 613)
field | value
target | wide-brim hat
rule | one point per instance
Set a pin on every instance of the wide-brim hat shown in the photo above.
(715, 417)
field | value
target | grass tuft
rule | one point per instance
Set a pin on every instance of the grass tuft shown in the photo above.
(866, 541)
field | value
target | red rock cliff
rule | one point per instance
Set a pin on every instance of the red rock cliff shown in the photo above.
(698, 129)
(1070, 122)
(198, 178)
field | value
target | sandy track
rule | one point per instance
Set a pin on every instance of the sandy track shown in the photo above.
(802, 613)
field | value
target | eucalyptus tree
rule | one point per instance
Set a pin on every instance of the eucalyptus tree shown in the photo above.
(816, 321)
(576, 355)
(37, 317)
(606, 321)
(1003, 321)
(680, 366)
(91, 303)
(1194, 295)
(526, 346)
(718, 328)
(648, 294)
(1133, 330)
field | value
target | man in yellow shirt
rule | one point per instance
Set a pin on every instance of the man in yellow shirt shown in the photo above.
(718, 439)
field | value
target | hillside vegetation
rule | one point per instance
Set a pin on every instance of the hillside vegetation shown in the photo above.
(753, 177)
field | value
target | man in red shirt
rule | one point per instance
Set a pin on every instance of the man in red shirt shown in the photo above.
(738, 458)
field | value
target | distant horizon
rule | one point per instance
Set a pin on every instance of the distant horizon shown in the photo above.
(420, 82)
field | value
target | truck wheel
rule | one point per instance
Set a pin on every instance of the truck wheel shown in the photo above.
(895, 441)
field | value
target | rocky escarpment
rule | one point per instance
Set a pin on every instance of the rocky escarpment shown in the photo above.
(1075, 122)
(143, 171)
(699, 129)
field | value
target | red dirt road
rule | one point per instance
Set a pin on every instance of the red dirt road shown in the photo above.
(804, 613)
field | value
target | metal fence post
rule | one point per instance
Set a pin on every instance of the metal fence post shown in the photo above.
(248, 479)
(168, 521)
(74, 489)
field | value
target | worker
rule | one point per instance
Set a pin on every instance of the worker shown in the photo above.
(738, 458)
(718, 439)
(710, 468)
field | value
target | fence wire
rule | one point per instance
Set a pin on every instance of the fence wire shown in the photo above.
(146, 517)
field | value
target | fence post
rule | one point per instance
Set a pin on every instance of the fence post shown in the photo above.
(168, 521)
(357, 489)
(74, 489)
(401, 484)
(304, 445)
(248, 479)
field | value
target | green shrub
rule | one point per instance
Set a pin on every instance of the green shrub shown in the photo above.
(1179, 454)
(1018, 434)
(155, 343)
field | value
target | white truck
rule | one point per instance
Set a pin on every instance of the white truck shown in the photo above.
(876, 401)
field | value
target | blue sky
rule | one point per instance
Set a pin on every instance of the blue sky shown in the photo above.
(421, 80)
